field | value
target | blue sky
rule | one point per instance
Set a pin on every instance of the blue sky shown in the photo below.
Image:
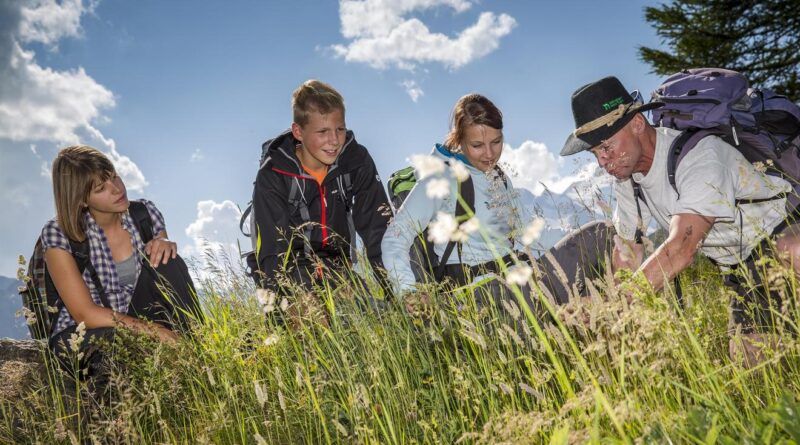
(183, 93)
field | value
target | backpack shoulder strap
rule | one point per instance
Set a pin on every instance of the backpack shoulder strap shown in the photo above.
(80, 251)
(502, 176)
(142, 220)
(681, 146)
(638, 196)
(297, 200)
(467, 192)
(345, 185)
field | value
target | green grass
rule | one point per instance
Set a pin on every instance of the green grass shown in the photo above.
(645, 372)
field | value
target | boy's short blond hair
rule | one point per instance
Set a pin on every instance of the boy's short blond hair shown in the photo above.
(314, 95)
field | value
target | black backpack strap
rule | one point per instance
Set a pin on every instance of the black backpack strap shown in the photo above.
(142, 219)
(467, 192)
(681, 146)
(345, 185)
(80, 251)
(297, 201)
(638, 196)
(245, 217)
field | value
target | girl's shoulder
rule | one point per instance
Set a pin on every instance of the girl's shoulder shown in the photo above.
(53, 236)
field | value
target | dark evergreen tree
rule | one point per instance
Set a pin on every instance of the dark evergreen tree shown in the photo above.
(760, 38)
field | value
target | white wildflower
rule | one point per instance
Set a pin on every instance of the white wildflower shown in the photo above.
(284, 304)
(459, 170)
(271, 340)
(76, 338)
(759, 167)
(266, 298)
(533, 231)
(30, 316)
(519, 274)
(470, 226)
(426, 165)
(442, 228)
(438, 188)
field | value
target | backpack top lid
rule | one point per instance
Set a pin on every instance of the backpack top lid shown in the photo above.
(703, 98)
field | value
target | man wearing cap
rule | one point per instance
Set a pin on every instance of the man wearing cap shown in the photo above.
(701, 215)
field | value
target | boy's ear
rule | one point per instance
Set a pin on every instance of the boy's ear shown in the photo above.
(297, 131)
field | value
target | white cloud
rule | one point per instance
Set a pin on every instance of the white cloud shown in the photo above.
(197, 156)
(130, 173)
(412, 89)
(44, 104)
(41, 104)
(534, 167)
(42, 109)
(48, 21)
(382, 35)
(215, 230)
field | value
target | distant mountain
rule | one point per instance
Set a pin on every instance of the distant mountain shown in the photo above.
(11, 325)
(580, 203)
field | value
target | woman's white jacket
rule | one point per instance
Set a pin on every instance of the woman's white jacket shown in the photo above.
(500, 219)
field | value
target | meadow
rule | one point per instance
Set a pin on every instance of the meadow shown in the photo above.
(336, 370)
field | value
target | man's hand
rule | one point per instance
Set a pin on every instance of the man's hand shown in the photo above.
(627, 254)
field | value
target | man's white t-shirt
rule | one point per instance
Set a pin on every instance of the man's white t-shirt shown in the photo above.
(709, 179)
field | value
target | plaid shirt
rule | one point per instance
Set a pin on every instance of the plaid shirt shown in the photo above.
(100, 256)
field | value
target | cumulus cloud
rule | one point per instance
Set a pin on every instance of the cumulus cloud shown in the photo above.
(413, 89)
(49, 105)
(38, 103)
(42, 108)
(534, 167)
(47, 21)
(215, 231)
(382, 34)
